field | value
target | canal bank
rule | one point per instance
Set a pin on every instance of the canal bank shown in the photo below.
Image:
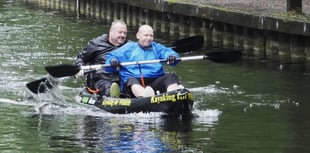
(268, 35)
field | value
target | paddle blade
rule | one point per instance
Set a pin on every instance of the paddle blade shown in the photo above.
(62, 70)
(189, 44)
(224, 56)
(39, 86)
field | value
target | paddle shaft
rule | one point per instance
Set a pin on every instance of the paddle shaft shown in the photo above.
(100, 66)
(71, 70)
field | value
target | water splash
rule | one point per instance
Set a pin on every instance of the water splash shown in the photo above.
(210, 89)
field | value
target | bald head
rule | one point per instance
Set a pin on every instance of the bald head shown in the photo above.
(145, 35)
(145, 28)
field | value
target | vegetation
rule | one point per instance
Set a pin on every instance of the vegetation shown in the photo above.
(292, 15)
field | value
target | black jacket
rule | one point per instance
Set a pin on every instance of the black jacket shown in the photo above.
(95, 53)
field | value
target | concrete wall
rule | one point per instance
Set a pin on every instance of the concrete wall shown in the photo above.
(259, 37)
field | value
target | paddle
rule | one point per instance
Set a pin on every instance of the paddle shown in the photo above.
(188, 44)
(224, 55)
(70, 70)
(39, 86)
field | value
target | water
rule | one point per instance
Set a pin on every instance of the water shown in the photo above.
(250, 106)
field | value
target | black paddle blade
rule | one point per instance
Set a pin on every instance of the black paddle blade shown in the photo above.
(224, 56)
(189, 44)
(39, 86)
(64, 70)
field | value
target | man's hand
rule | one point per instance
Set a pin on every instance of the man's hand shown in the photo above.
(79, 74)
(171, 59)
(114, 63)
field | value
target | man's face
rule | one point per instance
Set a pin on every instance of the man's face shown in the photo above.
(145, 37)
(118, 34)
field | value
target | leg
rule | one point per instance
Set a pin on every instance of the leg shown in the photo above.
(104, 81)
(104, 86)
(140, 91)
(128, 87)
(172, 87)
(137, 90)
(134, 88)
(166, 83)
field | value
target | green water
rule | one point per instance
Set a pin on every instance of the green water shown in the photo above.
(245, 107)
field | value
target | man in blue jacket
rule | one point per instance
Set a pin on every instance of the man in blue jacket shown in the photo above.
(141, 80)
(95, 52)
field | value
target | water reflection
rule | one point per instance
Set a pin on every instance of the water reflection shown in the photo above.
(113, 134)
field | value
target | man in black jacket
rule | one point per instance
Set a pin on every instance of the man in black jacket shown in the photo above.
(95, 53)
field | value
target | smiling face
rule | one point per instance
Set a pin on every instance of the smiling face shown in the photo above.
(118, 33)
(145, 35)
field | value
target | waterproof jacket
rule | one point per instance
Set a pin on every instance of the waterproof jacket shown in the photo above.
(133, 52)
(95, 53)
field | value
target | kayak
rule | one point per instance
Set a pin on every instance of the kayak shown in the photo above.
(179, 102)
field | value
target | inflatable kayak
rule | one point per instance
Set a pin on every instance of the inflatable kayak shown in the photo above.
(178, 102)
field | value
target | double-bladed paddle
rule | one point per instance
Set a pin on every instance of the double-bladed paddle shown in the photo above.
(66, 70)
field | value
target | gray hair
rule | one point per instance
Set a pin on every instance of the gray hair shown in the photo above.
(117, 21)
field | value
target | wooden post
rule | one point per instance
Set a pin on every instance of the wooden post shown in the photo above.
(297, 47)
(248, 41)
(307, 49)
(184, 25)
(259, 44)
(174, 25)
(208, 35)
(238, 39)
(228, 36)
(294, 5)
(78, 8)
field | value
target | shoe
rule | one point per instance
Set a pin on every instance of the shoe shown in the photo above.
(180, 87)
(148, 92)
(115, 90)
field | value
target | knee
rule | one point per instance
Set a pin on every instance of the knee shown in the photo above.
(172, 78)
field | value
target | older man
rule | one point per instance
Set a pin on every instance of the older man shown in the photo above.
(95, 53)
(142, 80)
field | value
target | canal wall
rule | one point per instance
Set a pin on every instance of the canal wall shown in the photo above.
(257, 36)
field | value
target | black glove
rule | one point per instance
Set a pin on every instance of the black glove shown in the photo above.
(171, 59)
(114, 63)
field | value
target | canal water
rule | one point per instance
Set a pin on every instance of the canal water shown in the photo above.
(249, 106)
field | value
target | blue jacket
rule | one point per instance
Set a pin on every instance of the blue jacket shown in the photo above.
(133, 52)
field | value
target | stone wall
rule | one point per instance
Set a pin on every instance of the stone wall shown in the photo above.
(261, 37)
